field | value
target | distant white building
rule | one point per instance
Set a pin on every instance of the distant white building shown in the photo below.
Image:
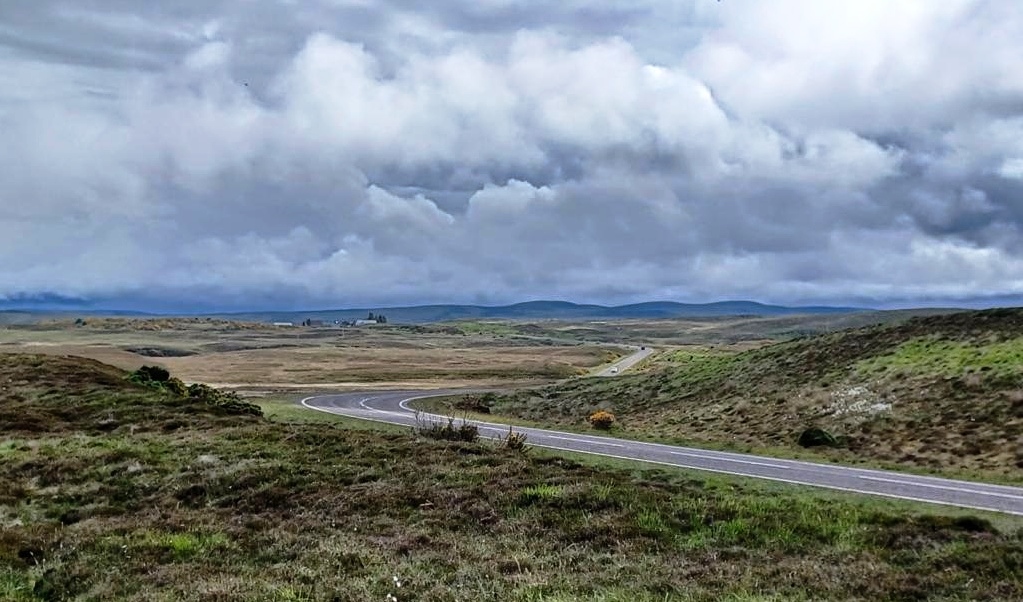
(284, 324)
(365, 322)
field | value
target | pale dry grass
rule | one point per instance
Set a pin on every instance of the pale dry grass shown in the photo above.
(340, 364)
(273, 358)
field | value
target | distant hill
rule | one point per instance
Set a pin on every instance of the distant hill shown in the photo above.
(545, 310)
(12, 317)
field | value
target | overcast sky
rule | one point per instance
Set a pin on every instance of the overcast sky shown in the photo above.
(339, 153)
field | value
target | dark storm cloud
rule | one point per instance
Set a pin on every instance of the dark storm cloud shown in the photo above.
(118, 35)
(351, 151)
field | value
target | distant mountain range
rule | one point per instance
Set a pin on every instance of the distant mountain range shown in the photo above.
(544, 310)
(532, 310)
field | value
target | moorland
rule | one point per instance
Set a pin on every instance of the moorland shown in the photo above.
(114, 486)
(113, 489)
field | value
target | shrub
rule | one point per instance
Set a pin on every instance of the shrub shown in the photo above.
(817, 437)
(228, 401)
(514, 441)
(176, 386)
(203, 392)
(154, 373)
(154, 377)
(475, 402)
(160, 379)
(602, 419)
(465, 431)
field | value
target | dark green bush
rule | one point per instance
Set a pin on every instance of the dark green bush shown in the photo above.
(154, 373)
(158, 378)
(226, 400)
(817, 437)
(176, 386)
(153, 377)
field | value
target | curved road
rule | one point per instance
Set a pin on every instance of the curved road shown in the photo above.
(392, 407)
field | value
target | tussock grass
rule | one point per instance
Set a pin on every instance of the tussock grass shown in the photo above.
(541, 493)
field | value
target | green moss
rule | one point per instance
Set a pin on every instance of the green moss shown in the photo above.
(935, 356)
(186, 545)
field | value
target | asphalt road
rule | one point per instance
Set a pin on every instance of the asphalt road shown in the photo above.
(392, 407)
(626, 362)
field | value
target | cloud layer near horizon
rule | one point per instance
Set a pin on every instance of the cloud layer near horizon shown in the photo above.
(361, 152)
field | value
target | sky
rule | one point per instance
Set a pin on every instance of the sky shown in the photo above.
(216, 154)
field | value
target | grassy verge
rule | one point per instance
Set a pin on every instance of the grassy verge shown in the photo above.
(118, 492)
(719, 482)
(286, 410)
(448, 406)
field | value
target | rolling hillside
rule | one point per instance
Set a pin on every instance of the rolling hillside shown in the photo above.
(115, 491)
(942, 392)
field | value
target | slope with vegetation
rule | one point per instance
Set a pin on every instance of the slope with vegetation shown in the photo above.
(111, 489)
(942, 392)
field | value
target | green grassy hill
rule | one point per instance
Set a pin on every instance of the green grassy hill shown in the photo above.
(943, 392)
(114, 491)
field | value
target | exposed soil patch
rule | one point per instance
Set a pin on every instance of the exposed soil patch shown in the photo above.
(160, 351)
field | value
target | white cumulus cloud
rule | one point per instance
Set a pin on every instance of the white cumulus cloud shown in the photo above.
(344, 153)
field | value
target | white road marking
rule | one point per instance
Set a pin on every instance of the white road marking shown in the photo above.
(721, 459)
(590, 441)
(969, 490)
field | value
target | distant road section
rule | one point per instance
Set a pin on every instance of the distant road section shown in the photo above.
(626, 362)
(392, 407)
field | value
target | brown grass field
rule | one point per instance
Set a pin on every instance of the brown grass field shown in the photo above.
(255, 356)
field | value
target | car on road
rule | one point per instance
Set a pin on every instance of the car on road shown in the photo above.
(614, 370)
